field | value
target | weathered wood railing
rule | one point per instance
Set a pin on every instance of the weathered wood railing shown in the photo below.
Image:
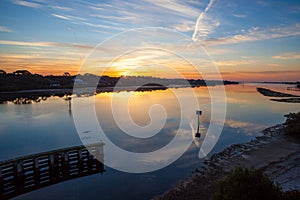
(28, 173)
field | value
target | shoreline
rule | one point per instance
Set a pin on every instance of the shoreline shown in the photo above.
(276, 154)
(288, 100)
(281, 97)
(272, 93)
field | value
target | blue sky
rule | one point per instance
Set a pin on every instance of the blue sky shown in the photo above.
(248, 40)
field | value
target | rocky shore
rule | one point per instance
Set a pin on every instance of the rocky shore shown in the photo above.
(273, 152)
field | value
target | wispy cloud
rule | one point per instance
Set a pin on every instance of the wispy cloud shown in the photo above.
(69, 17)
(268, 75)
(101, 26)
(218, 51)
(5, 29)
(61, 8)
(287, 56)
(233, 63)
(204, 24)
(61, 16)
(256, 34)
(177, 7)
(239, 15)
(273, 65)
(27, 3)
(185, 26)
(44, 44)
(176, 14)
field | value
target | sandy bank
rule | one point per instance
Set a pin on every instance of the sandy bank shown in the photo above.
(276, 154)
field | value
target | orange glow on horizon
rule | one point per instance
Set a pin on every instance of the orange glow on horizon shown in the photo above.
(176, 71)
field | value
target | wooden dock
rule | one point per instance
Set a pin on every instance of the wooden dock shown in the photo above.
(28, 173)
(295, 88)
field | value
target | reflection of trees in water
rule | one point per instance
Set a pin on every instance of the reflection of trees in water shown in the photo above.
(36, 97)
(3, 102)
(68, 98)
(29, 100)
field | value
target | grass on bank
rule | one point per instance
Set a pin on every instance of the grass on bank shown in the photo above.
(246, 184)
(293, 125)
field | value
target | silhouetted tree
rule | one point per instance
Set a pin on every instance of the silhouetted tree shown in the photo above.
(22, 72)
(2, 72)
(66, 74)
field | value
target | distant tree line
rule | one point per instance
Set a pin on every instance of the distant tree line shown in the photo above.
(24, 80)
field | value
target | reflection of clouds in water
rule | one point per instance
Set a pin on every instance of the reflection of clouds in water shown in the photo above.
(164, 157)
(239, 101)
(283, 108)
(247, 127)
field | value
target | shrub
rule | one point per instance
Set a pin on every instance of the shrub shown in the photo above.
(293, 124)
(242, 184)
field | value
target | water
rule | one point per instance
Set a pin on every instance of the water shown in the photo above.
(47, 125)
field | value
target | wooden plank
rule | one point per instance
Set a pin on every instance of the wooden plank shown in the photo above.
(31, 172)
(49, 152)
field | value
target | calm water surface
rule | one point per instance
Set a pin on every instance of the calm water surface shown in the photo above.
(48, 125)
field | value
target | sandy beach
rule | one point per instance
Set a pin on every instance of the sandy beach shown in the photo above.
(274, 153)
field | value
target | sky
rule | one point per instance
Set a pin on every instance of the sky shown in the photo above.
(257, 40)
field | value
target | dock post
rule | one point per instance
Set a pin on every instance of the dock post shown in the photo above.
(99, 156)
(80, 162)
(19, 176)
(1, 183)
(90, 159)
(198, 113)
(65, 165)
(53, 168)
(36, 171)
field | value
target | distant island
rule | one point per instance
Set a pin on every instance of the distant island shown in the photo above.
(271, 93)
(279, 82)
(24, 80)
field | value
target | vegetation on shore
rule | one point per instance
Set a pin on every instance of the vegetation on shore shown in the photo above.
(246, 184)
(24, 80)
(293, 124)
(289, 100)
(243, 183)
(271, 93)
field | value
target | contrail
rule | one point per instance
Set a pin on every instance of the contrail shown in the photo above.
(209, 5)
(200, 18)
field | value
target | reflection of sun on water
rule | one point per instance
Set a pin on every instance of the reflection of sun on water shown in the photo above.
(141, 103)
